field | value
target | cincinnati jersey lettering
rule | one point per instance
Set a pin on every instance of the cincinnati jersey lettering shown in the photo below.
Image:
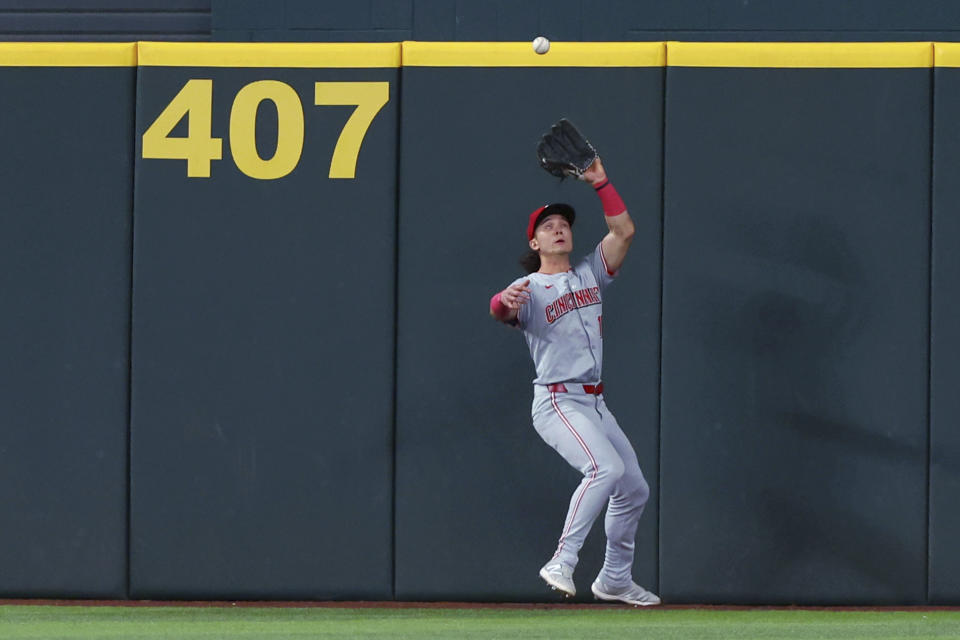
(573, 300)
(564, 349)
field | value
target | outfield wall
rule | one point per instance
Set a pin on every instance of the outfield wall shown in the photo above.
(65, 240)
(249, 354)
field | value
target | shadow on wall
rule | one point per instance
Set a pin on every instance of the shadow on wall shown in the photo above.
(789, 346)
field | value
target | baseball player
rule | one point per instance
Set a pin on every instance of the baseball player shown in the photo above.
(558, 306)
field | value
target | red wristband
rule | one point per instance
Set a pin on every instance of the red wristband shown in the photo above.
(610, 199)
(497, 308)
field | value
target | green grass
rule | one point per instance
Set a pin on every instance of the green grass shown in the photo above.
(162, 623)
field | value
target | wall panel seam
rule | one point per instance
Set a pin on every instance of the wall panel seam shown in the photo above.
(663, 223)
(929, 416)
(396, 341)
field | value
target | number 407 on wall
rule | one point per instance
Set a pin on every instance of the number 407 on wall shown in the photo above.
(195, 103)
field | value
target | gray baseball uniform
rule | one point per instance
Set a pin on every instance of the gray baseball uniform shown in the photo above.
(562, 323)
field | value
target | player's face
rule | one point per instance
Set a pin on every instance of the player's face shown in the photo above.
(553, 236)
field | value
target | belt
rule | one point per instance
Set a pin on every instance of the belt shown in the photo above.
(592, 389)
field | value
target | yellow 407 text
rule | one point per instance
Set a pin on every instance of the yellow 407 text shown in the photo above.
(199, 148)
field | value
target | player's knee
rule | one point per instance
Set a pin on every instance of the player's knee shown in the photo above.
(641, 492)
(611, 470)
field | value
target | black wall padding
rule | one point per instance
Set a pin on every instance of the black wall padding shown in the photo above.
(480, 498)
(944, 346)
(796, 232)
(67, 176)
(263, 357)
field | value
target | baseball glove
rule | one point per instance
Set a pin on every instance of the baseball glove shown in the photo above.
(563, 151)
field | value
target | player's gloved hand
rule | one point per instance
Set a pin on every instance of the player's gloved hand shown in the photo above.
(563, 151)
(595, 174)
(516, 295)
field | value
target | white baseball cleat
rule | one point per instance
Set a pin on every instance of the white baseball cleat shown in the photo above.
(631, 594)
(560, 577)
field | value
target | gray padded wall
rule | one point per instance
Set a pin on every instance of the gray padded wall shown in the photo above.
(584, 20)
(104, 20)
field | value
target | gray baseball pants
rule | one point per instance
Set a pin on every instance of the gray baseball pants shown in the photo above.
(580, 428)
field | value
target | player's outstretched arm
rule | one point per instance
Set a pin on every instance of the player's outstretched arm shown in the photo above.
(505, 306)
(616, 243)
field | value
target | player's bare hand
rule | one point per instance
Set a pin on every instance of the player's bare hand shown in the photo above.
(516, 295)
(595, 173)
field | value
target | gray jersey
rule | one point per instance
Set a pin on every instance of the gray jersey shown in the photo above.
(562, 321)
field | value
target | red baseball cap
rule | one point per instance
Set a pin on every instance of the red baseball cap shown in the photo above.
(548, 210)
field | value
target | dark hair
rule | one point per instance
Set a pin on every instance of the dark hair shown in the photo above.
(530, 261)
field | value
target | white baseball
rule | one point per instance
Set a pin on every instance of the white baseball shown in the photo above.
(541, 45)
